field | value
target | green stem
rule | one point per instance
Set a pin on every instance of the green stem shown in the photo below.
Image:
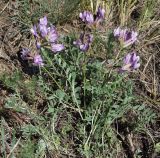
(109, 74)
(49, 61)
(84, 79)
(53, 79)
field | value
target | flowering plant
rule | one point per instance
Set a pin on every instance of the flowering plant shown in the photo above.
(91, 19)
(45, 36)
(125, 36)
(131, 62)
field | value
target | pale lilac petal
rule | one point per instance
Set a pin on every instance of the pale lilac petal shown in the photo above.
(52, 34)
(133, 38)
(38, 45)
(25, 53)
(85, 13)
(43, 21)
(38, 60)
(34, 30)
(77, 43)
(81, 16)
(133, 56)
(100, 14)
(90, 38)
(136, 65)
(117, 32)
(130, 38)
(87, 17)
(127, 59)
(57, 47)
(84, 47)
(134, 35)
(43, 30)
(123, 34)
(131, 62)
(137, 58)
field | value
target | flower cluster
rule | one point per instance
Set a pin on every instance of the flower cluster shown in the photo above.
(38, 60)
(48, 33)
(26, 55)
(100, 15)
(131, 62)
(88, 17)
(46, 36)
(43, 33)
(83, 42)
(125, 36)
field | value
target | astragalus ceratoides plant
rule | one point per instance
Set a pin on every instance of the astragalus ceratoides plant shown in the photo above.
(84, 99)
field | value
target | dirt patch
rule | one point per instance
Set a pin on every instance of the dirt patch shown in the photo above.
(11, 38)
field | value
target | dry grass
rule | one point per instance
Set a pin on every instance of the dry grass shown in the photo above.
(143, 16)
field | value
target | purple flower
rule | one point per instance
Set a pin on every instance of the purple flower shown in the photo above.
(127, 37)
(87, 17)
(38, 60)
(131, 62)
(38, 45)
(52, 34)
(43, 21)
(57, 47)
(130, 38)
(84, 47)
(34, 31)
(43, 26)
(100, 14)
(25, 53)
(43, 30)
(84, 42)
(89, 38)
(48, 34)
(116, 32)
(79, 41)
